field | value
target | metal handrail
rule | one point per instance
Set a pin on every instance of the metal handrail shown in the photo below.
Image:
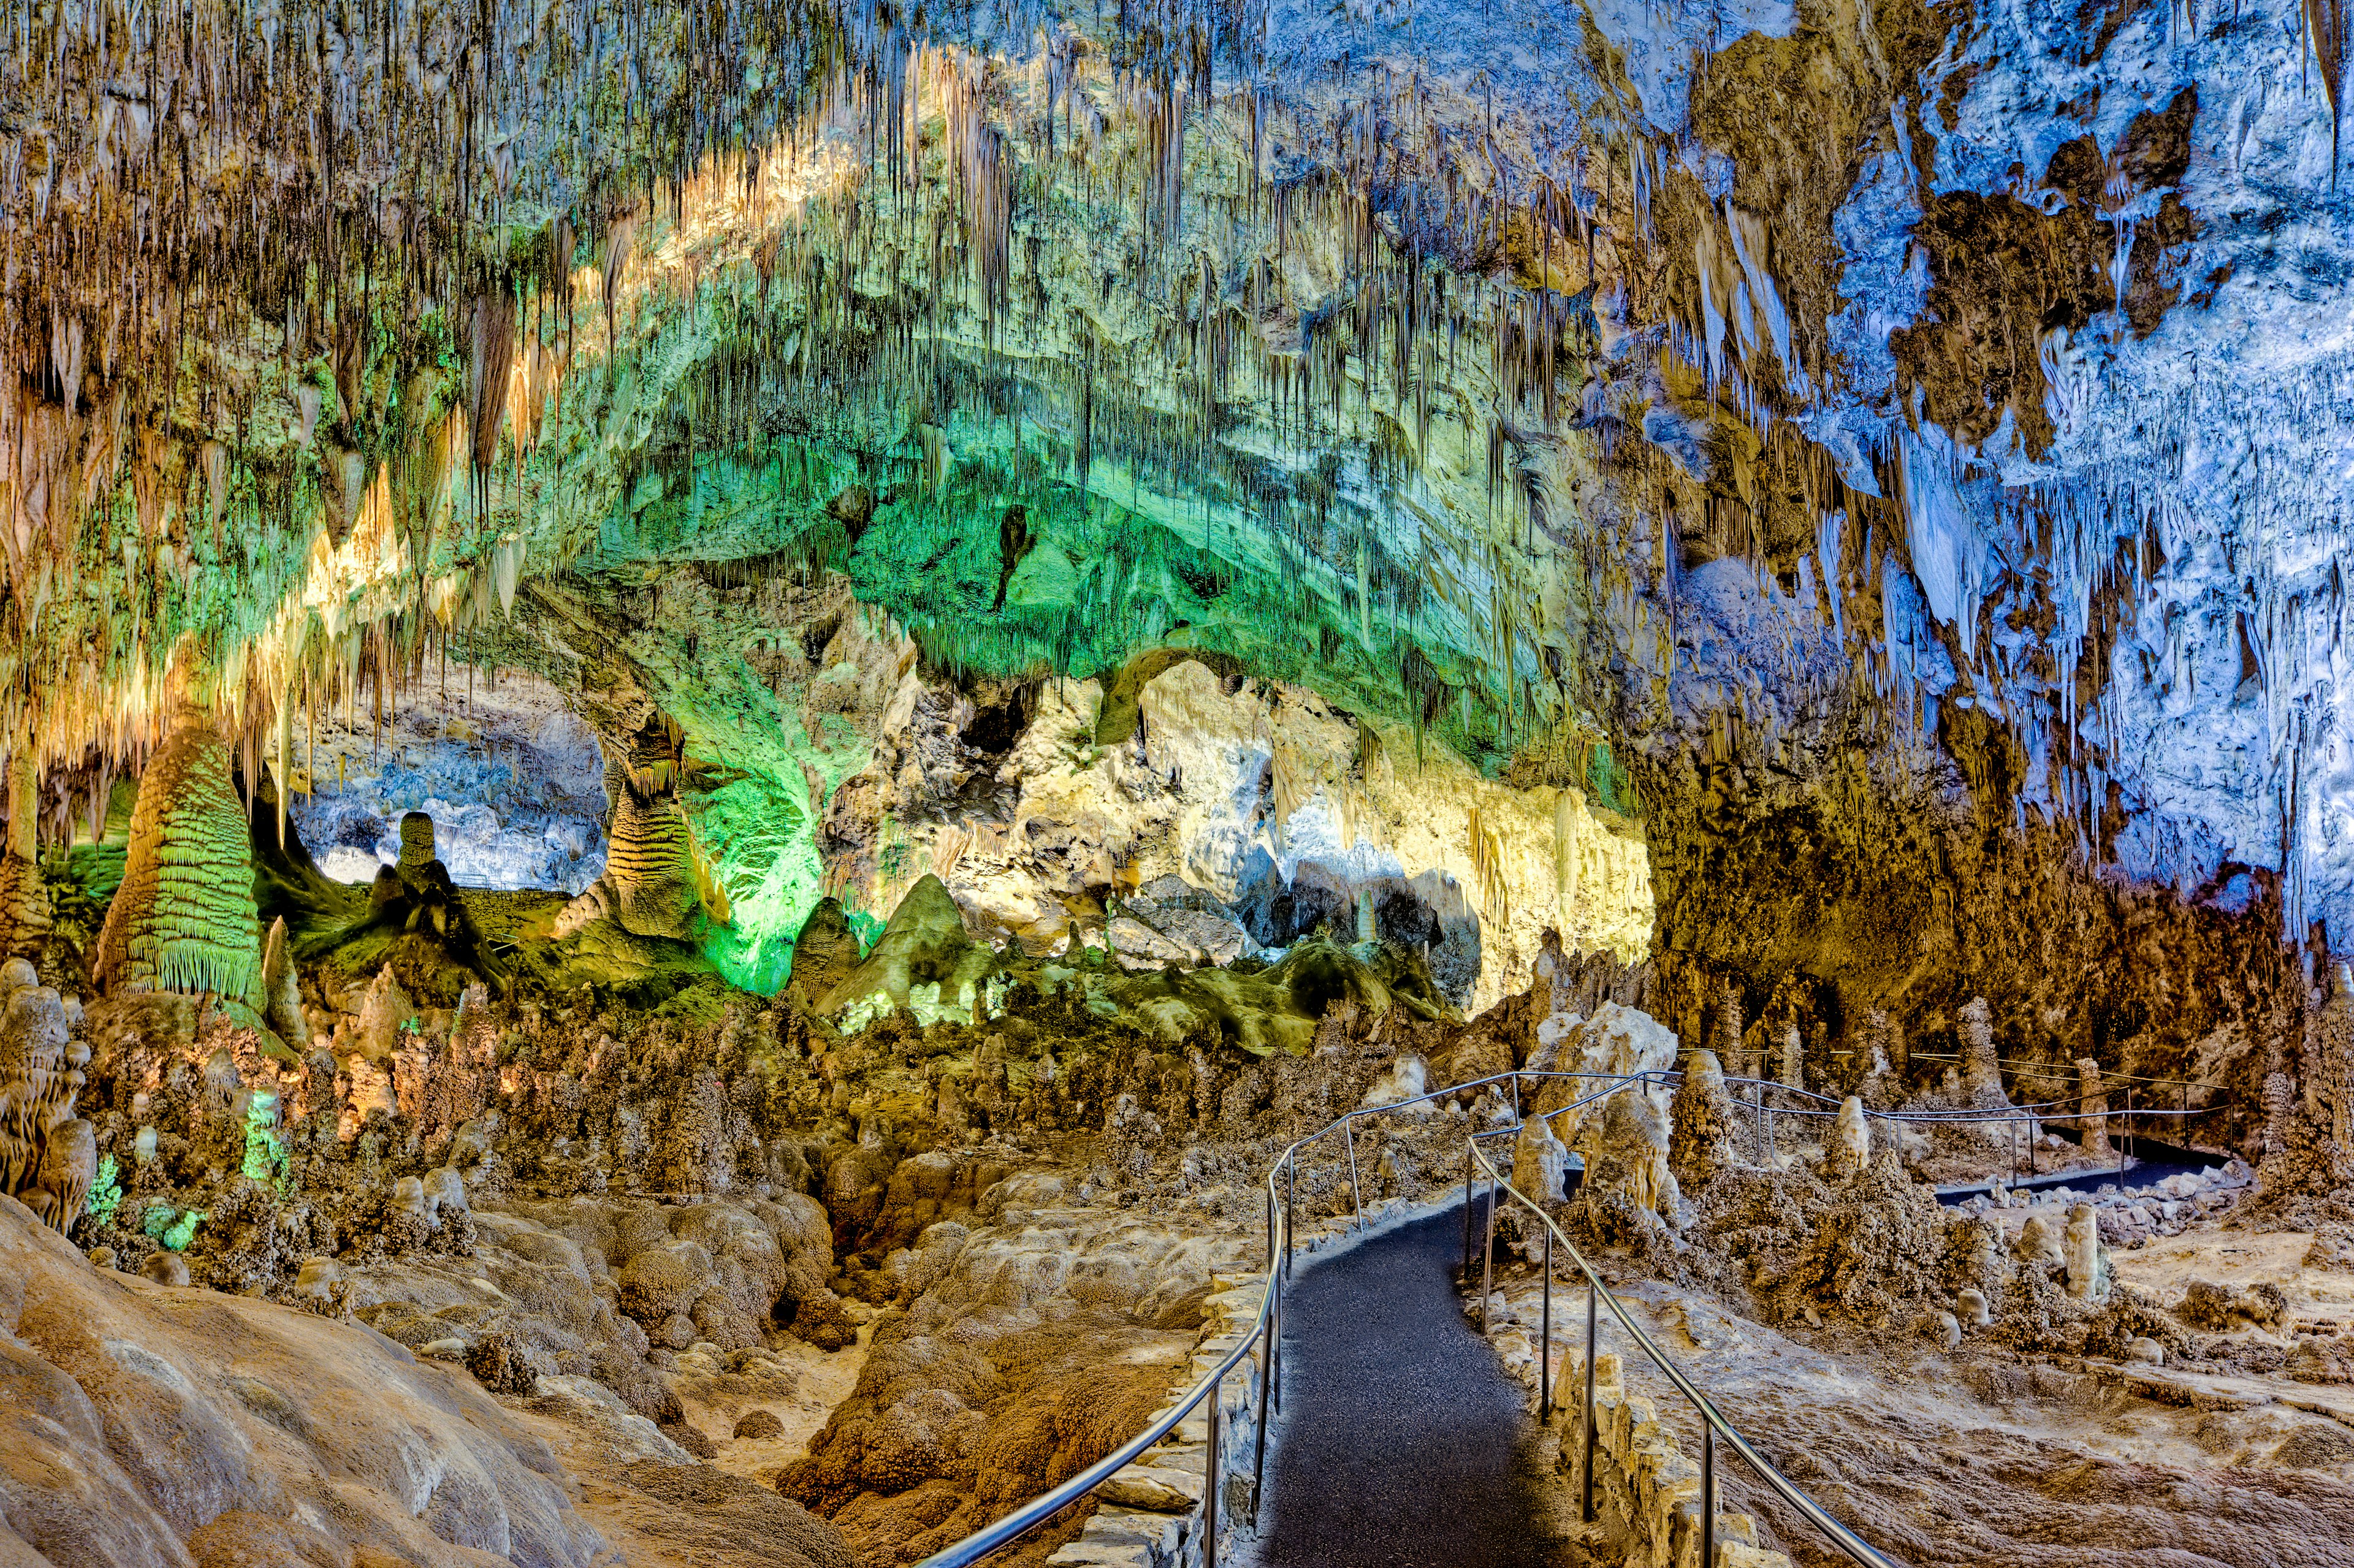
(1266, 1329)
(2030, 1116)
(2020, 1065)
(1713, 1425)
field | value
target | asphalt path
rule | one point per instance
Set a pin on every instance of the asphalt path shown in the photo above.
(1401, 1441)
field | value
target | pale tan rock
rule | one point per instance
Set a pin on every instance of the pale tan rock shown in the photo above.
(1847, 1148)
(2087, 1266)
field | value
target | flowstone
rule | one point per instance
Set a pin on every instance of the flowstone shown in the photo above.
(48, 1155)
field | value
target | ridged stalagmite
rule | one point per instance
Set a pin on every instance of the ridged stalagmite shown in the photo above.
(184, 918)
(654, 883)
(650, 865)
(24, 916)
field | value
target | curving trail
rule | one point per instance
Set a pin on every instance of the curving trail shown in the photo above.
(1404, 1444)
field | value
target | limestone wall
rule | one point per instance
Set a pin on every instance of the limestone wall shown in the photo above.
(1249, 792)
(1646, 1489)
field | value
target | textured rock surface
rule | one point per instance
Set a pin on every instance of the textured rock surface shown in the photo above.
(153, 1427)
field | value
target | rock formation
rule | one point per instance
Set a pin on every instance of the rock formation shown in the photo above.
(1847, 1146)
(906, 644)
(48, 1154)
(1702, 1121)
(183, 919)
(25, 919)
(1981, 1071)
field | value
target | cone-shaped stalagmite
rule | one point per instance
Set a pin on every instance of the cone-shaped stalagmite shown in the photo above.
(1847, 1146)
(184, 918)
(24, 897)
(282, 991)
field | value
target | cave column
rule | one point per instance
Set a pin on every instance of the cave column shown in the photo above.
(1729, 1050)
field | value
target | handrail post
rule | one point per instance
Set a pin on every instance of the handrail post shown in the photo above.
(1265, 1396)
(1585, 1486)
(1275, 1319)
(1356, 1188)
(1487, 1253)
(1290, 1189)
(1467, 1208)
(1210, 1489)
(1544, 1354)
(1270, 1230)
(1707, 1492)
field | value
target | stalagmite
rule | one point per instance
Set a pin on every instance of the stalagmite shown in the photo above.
(69, 1164)
(417, 849)
(1702, 1121)
(1790, 1072)
(2093, 1107)
(1846, 1148)
(48, 1155)
(283, 991)
(2038, 1242)
(1981, 1070)
(1626, 1150)
(184, 918)
(1886, 1060)
(655, 882)
(1540, 1161)
(2087, 1260)
(24, 916)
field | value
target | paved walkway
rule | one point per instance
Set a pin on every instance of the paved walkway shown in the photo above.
(1401, 1436)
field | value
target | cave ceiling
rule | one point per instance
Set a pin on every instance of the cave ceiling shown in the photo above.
(1951, 405)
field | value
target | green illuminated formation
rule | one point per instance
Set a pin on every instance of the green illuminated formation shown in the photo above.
(176, 1235)
(265, 1150)
(184, 918)
(105, 1191)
